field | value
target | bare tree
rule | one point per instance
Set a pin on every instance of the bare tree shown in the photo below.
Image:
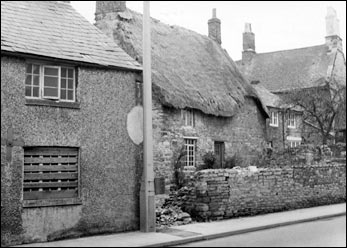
(321, 106)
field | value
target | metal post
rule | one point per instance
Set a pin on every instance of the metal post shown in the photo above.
(147, 206)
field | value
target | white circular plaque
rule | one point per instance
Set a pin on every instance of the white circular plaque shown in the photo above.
(135, 124)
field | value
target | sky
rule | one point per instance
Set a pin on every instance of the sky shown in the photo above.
(277, 25)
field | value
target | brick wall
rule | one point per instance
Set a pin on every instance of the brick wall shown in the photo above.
(244, 132)
(226, 193)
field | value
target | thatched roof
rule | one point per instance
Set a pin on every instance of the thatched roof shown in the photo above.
(190, 70)
(290, 69)
(268, 98)
(54, 29)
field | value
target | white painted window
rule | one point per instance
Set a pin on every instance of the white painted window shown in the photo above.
(293, 144)
(50, 82)
(188, 117)
(190, 145)
(274, 119)
(291, 120)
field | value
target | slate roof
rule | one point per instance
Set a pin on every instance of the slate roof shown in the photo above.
(290, 69)
(189, 70)
(268, 98)
(54, 29)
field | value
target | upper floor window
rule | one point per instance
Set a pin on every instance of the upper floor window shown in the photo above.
(188, 117)
(274, 119)
(50, 82)
(291, 120)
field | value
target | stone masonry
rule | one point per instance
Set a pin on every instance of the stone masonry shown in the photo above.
(226, 193)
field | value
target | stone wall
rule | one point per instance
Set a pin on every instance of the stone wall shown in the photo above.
(109, 162)
(227, 193)
(245, 132)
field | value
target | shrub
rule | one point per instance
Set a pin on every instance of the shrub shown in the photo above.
(209, 160)
(235, 160)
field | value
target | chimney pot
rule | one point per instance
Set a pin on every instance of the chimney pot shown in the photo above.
(332, 39)
(214, 28)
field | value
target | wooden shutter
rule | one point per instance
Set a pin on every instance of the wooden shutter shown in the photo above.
(50, 173)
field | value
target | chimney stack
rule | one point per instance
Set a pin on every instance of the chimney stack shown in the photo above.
(104, 7)
(214, 28)
(248, 43)
(332, 38)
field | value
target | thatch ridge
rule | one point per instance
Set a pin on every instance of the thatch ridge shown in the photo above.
(190, 70)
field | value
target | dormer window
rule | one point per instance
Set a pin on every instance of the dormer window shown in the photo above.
(291, 120)
(50, 82)
(274, 119)
(188, 117)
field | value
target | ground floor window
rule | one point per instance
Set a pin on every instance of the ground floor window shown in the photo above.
(50, 173)
(190, 147)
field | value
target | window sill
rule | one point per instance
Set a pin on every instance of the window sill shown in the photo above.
(51, 202)
(48, 103)
(291, 127)
(272, 125)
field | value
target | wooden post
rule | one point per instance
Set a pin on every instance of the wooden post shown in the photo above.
(147, 206)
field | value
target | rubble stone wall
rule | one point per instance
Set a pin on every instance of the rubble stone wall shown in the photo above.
(226, 193)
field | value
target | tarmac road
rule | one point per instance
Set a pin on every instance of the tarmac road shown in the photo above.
(321, 233)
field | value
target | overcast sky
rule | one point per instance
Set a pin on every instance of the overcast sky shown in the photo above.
(277, 25)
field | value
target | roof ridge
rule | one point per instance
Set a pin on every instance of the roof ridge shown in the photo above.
(287, 50)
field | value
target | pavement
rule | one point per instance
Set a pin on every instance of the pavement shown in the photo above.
(179, 235)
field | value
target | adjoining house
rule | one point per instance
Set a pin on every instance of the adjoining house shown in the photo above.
(200, 99)
(68, 165)
(281, 131)
(304, 68)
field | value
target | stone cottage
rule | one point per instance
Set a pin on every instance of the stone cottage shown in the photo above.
(315, 67)
(68, 165)
(201, 102)
(279, 134)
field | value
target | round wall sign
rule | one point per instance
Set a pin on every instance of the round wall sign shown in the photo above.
(135, 124)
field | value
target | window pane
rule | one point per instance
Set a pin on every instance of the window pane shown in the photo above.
(28, 80)
(70, 85)
(29, 68)
(63, 72)
(63, 83)
(70, 73)
(27, 91)
(51, 92)
(70, 95)
(51, 71)
(63, 94)
(36, 69)
(36, 91)
(36, 80)
(51, 82)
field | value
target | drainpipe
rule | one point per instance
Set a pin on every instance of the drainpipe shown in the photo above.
(147, 201)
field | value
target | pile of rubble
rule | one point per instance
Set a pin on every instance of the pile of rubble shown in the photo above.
(171, 213)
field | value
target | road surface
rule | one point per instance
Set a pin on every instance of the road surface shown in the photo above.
(322, 233)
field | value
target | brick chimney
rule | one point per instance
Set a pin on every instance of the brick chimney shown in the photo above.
(214, 31)
(248, 43)
(332, 38)
(104, 7)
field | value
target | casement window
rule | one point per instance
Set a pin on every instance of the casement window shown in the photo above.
(291, 120)
(190, 146)
(50, 82)
(274, 119)
(50, 173)
(188, 117)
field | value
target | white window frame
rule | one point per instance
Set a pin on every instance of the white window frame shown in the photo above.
(190, 143)
(41, 82)
(274, 119)
(188, 116)
(291, 120)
